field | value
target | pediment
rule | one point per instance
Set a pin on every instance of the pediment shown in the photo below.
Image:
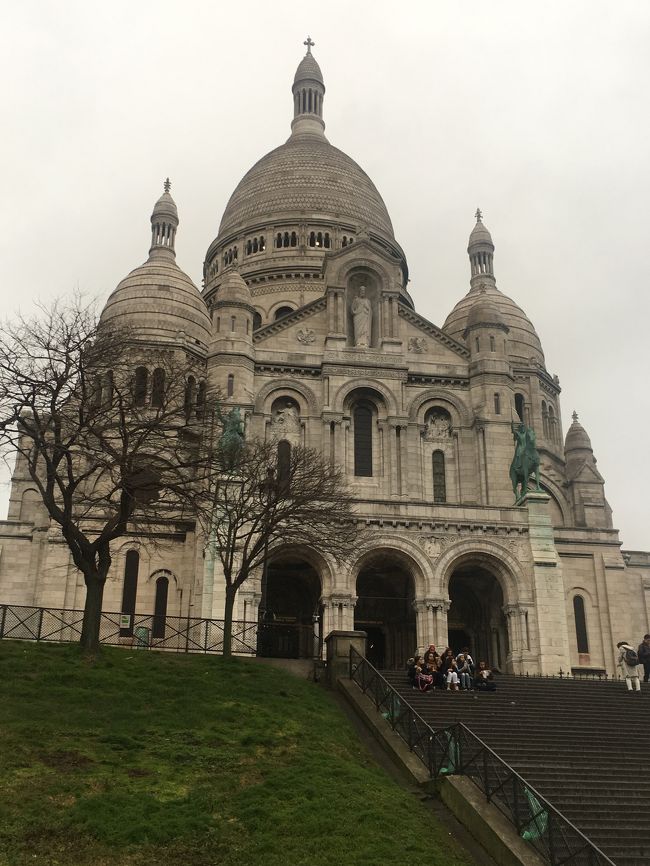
(304, 330)
(427, 342)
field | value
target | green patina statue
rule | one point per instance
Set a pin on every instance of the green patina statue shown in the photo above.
(526, 460)
(231, 440)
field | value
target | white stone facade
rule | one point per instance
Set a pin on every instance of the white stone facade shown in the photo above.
(420, 418)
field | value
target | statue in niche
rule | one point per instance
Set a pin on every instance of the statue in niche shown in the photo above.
(361, 318)
(437, 426)
(286, 420)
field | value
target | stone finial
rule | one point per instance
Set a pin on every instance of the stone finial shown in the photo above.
(167, 184)
(478, 215)
(308, 42)
(575, 417)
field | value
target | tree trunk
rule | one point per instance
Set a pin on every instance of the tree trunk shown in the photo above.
(92, 613)
(231, 592)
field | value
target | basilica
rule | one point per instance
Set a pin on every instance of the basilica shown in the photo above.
(307, 323)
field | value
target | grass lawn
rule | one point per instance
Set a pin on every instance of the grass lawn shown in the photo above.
(154, 759)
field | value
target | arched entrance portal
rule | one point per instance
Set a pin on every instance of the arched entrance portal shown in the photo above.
(476, 619)
(293, 592)
(384, 610)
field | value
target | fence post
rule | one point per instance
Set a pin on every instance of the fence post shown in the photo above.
(2, 621)
(40, 623)
(205, 638)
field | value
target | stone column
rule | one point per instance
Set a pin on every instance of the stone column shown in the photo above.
(436, 621)
(548, 587)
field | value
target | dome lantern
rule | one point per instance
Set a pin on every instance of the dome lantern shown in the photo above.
(481, 253)
(308, 93)
(164, 222)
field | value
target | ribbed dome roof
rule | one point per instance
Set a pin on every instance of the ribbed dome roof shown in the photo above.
(480, 235)
(308, 69)
(485, 312)
(233, 288)
(523, 342)
(576, 437)
(306, 174)
(156, 301)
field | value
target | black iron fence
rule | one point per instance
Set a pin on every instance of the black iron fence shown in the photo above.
(179, 634)
(456, 750)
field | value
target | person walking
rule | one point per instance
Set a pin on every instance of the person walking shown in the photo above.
(628, 662)
(643, 653)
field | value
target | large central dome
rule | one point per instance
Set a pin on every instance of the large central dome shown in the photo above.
(306, 174)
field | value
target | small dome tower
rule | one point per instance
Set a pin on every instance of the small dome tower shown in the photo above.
(231, 363)
(586, 484)
(308, 94)
(481, 253)
(157, 301)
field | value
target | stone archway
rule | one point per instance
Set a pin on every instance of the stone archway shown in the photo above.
(476, 618)
(384, 610)
(292, 607)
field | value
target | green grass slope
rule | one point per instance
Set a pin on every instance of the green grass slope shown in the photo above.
(146, 758)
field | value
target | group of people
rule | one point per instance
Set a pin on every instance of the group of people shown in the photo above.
(449, 672)
(629, 660)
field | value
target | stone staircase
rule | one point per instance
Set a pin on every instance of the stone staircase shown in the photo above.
(585, 746)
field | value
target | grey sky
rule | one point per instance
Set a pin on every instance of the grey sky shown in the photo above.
(539, 113)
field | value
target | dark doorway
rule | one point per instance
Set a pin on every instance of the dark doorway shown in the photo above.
(384, 610)
(476, 617)
(292, 603)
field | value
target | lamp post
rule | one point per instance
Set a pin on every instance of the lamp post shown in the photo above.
(268, 488)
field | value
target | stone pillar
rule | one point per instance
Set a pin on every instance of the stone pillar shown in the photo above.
(421, 623)
(338, 645)
(436, 621)
(548, 587)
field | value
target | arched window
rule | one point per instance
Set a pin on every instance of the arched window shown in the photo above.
(344, 242)
(363, 441)
(284, 467)
(493, 345)
(190, 388)
(230, 387)
(581, 624)
(262, 244)
(281, 312)
(141, 382)
(200, 400)
(257, 320)
(519, 406)
(552, 424)
(255, 245)
(249, 248)
(497, 404)
(158, 387)
(233, 322)
(278, 239)
(545, 418)
(160, 607)
(108, 389)
(130, 590)
(312, 239)
(294, 239)
(478, 345)
(439, 483)
(326, 241)
(286, 239)
(96, 393)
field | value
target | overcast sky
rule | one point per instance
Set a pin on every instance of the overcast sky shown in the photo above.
(537, 113)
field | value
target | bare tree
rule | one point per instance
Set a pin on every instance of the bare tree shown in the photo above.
(110, 447)
(268, 495)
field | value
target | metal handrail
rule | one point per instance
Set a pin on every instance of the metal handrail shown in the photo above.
(457, 750)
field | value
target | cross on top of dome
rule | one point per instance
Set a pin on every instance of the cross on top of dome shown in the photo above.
(167, 184)
(308, 42)
(478, 215)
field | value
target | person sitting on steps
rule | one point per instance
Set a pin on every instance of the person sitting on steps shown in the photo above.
(465, 672)
(484, 679)
(452, 676)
